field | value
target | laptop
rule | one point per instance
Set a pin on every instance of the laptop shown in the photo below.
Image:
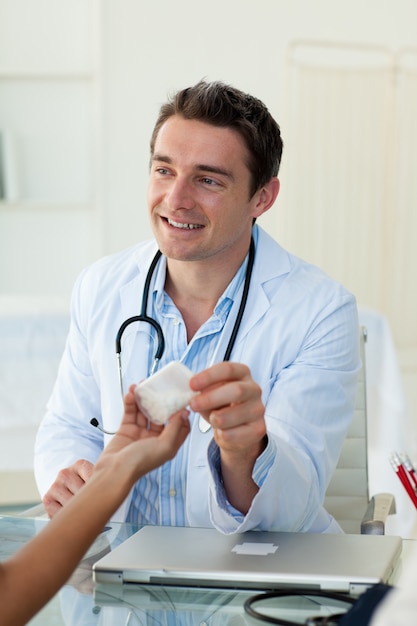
(204, 557)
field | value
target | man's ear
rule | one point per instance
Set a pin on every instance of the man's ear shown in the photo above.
(266, 196)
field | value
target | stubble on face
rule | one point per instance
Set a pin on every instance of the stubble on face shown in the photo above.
(198, 191)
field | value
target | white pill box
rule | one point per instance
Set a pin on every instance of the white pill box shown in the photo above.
(165, 392)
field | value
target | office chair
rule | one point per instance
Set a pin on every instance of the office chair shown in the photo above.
(347, 495)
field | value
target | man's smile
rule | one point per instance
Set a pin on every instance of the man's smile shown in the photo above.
(183, 225)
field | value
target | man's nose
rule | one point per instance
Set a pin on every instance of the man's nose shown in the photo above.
(180, 195)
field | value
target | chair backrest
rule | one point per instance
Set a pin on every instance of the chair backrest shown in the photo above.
(347, 495)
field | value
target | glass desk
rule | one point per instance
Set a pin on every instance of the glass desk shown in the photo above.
(81, 602)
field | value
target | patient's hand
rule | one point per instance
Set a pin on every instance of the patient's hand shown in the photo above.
(137, 448)
(67, 483)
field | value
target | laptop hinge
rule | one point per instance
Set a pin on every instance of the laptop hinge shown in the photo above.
(356, 589)
(108, 577)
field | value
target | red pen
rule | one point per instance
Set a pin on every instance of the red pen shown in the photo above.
(409, 468)
(404, 478)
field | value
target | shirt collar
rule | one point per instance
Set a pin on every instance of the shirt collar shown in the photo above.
(224, 302)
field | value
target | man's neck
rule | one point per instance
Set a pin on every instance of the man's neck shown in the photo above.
(195, 289)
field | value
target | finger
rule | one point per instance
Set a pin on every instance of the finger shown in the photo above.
(177, 425)
(235, 415)
(176, 430)
(130, 407)
(133, 415)
(141, 419)
(149, 454)
(239, 434)
(245, 441)
(57, 496)
(68, 481)
(220, 396)
(84, 470)
(51, 506)
(219, 373)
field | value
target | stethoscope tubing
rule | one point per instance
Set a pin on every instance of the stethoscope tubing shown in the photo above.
(144, 317)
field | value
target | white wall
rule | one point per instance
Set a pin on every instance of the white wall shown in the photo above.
(153, 51)
(123, 57)
(132, 54)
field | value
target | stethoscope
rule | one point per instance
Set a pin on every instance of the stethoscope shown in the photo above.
(160, 345)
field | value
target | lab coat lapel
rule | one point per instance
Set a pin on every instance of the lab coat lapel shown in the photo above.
(258, 303)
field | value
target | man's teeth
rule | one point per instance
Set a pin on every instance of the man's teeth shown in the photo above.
(184, 226)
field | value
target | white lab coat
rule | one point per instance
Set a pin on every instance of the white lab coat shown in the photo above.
(299, 336)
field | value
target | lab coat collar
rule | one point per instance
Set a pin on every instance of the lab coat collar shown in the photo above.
(271, 261)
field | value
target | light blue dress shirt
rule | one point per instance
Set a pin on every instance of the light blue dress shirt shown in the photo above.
(159, 497)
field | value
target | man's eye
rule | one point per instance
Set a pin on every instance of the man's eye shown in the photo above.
(209, 181)
(162, 170)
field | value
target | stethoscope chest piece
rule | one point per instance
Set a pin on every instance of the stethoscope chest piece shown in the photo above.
(203, 425)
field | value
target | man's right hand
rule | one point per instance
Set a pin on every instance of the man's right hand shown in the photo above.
(68, 482)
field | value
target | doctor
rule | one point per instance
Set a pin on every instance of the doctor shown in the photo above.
(269, 418)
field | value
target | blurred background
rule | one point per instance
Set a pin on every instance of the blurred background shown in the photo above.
(81, 82)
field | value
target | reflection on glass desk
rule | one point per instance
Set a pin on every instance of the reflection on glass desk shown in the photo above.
(83, 603)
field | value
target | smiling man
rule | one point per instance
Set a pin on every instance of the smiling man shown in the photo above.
(271, 340)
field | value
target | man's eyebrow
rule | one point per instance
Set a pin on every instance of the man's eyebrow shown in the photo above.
(212, 169)
(161, 157)
(201, 167)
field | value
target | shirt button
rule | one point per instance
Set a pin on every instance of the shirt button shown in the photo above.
(176, 322)
(172, 492)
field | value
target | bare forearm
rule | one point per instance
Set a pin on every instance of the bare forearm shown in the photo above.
(57, 549)
(37, 571)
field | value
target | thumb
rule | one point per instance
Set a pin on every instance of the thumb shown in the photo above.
(176, 429)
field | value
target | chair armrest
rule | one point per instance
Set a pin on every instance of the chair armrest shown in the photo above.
(380, 506)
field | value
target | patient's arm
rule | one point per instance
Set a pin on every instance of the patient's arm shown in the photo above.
(40, 568)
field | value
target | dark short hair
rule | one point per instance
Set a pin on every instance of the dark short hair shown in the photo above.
(222, 105)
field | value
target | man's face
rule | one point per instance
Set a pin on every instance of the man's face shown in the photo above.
(198, 193)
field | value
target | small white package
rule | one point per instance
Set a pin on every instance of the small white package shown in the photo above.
(165, 392)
